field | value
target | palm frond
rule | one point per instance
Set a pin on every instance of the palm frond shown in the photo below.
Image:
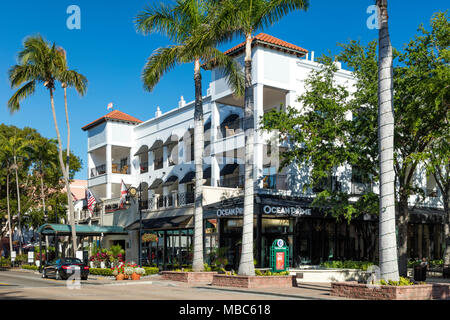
(25, 91)
(160, 62)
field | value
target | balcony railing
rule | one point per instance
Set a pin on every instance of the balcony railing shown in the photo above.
(232, 182)
(275, 182)
(359, 188)
(330, 183)
(99, 170)
(230, 128)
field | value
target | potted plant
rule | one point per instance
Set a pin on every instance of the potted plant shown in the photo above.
(128, 271)
(138, 272)
(119, 272)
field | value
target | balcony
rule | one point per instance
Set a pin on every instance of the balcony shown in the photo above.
(275, 182)
(232, 182)
(233, 125)
(98, 171)
(328, 183)
(120, 168)
(359, 188)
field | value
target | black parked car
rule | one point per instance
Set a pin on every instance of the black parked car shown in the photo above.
(63, 268)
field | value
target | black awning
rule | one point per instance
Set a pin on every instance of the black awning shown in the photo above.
(207, 173)
(177, 222)
(188, 177)
(155, 184)
(173, 139)
(228, 169)
(157, 144)
(171, 180)
(142, 149)
(232, 117)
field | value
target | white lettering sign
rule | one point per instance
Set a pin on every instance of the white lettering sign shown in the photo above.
(286, 211)
(230, 212)
(30, 257)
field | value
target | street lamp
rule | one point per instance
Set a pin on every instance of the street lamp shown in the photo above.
(133, 192)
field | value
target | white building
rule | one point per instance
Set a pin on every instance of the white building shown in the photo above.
(157, 156)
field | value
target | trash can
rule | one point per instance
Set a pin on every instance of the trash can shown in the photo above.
(420, 273)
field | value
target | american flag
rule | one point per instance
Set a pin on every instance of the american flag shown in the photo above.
(90, 201)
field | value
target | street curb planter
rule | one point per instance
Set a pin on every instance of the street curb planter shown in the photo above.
(381, 292)
(254, 281)
(120, 276)
(189, 277)
(135, 276)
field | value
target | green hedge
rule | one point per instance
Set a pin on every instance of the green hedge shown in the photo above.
(5, 262)
(109, 272)
(29, 267)
(101, 272)
(150, 270)
(347, 264)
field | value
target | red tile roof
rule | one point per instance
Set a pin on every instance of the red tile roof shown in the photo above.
(113, 115)
(272, 42)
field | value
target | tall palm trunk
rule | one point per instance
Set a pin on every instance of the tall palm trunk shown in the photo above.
(9, 213)
(65, 174)
(246, 266)
(18, 206)
(387, 234)
(197, 263)
(68, 128)
(43, 202)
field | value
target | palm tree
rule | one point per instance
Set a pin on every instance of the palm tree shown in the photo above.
(70, 78)
(15, 147)
(244, 17)
(7, 165)
(40, 62)
(185, 23)
(387, 235)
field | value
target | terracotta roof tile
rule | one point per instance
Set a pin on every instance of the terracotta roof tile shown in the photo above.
(113, 115)
(271, 41)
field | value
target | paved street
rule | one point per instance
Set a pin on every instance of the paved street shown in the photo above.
(30, 285)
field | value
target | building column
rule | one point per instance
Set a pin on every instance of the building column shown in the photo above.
(108, 171)
(426, 236)
(215, 171)
(258, 139)
(165, 157)
(291, 96)
(215, 122)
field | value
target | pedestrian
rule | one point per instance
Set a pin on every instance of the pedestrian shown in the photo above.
(424, 265)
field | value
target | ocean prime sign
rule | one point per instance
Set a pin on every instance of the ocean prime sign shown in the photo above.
(293, 211)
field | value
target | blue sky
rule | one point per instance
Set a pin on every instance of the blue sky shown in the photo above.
(109, 52)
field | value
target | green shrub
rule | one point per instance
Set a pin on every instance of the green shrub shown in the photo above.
(347, 264)
(402, 282)
(29, 267)
(101, 272)
(5, 262)
(150, 270)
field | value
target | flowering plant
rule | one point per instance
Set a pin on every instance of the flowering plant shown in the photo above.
(120, 269)
(128, 270)
(149, 237)
(139, 271)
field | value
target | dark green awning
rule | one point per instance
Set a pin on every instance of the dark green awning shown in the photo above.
(80, 229)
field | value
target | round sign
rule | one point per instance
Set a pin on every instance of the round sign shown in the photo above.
(280, 243)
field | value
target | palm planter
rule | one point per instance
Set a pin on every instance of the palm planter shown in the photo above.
(273, 281)
(189, 276)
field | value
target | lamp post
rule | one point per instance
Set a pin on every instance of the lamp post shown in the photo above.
(133, 192)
